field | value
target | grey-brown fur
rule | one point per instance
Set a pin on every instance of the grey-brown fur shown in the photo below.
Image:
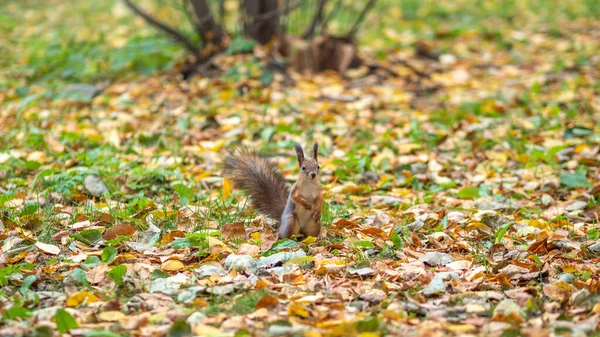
(298, 210)
(261, 178)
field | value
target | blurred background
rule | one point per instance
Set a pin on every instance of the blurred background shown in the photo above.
(64, 41)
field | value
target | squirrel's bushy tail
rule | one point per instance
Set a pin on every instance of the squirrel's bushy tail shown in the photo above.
(261, 178)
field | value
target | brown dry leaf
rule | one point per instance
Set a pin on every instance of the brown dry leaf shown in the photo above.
(558, 291)
(539, 248)
(99, 274)
(81, 224)
(234, 230)
(248, 249)
(118, 230)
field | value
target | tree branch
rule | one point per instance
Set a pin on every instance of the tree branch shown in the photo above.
(172, 32)
(316, 19)
(361, 17)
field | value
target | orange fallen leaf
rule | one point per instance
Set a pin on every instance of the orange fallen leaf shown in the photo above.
(266, 301)
(171, 236)
(234, 230)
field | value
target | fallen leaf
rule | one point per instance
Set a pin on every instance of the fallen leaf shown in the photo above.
(118, 230)
(172, 265)
(234, 230)
(266, 301)
(81, 297)
(48, 248)
(110, 316)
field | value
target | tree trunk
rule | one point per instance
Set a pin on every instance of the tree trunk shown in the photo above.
(262, 19)
(209, 30)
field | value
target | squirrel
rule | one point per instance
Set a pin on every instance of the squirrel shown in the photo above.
(299, 209)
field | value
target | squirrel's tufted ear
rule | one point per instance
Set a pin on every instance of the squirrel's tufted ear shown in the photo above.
(315, 151)
(299, 153)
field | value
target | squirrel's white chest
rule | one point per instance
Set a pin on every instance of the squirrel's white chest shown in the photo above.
(309, 192)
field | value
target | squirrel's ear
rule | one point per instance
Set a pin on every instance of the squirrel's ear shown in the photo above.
(315, 150)
(299, 153)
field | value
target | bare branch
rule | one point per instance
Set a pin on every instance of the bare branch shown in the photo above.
(361, 17)
(316, 19)
(222, 12)
(172, 32)
(283, 10)
(330, 16)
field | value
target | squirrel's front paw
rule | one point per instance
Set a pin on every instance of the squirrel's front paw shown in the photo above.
(317, 216)
(308, 207)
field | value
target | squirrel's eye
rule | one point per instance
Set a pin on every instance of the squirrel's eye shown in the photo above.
(303, 168)
(318, 167)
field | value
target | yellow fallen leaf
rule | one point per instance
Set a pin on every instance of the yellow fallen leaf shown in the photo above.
(581, 147)
(369, 334)
(163, 214)
(461, 328)
(309, 240)
(47, 248)
(110, 316)
(81, 297)
(312, 333)
(227, 184)
(255, 236)
(298, 310)
(217, 245)
(171, 265)
(213, 146)
(205, 330)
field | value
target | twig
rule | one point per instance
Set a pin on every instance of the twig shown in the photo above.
(376, 65)
(412, 68)
(222, 12)
(330, 16)
(361, 17)
(172, 32)
(316, 18)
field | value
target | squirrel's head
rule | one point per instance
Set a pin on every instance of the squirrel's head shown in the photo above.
(309, 167)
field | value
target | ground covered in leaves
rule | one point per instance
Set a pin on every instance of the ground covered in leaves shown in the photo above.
(461, 179)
